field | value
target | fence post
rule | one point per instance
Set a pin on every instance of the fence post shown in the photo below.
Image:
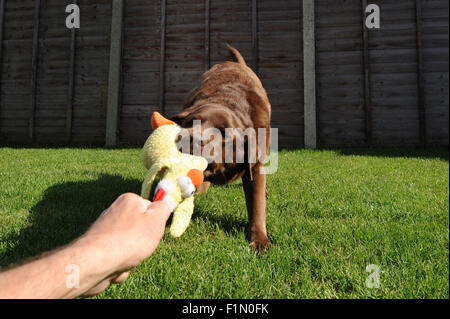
(207, 34)
(2, 12)
(115, 65)
(420, 75)
(255, 48)
(34, 67)
(366, 70)
(70, 94)
(162, 67)
(309, 74)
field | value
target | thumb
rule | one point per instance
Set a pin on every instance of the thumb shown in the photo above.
(159, 211)
(157, 214)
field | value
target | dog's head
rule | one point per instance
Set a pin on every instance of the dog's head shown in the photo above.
(211, 132)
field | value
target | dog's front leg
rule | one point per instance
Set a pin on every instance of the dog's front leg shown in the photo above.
(255, 197)
(203, 188)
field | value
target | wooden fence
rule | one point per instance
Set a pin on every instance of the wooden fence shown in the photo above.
(331, 81)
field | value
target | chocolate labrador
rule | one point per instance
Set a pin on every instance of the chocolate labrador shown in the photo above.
(230, 95)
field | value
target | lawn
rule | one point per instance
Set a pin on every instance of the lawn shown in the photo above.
(331, 213)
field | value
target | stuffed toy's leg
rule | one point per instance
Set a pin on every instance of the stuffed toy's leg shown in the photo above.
(150, 177)
(182, 217)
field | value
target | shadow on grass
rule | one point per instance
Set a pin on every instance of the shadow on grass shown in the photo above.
(231, 225)
(425, 153)
(64, 213)
(68, 209)
(441, 152)
(67, 145)
(430, 152)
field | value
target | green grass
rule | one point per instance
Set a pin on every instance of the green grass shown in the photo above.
(330, 214)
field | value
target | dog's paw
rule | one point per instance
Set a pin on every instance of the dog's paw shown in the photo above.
(260, 245)
(203, 188)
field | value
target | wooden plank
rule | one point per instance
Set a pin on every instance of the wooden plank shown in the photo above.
(2, 11)
(115, 65)
(162, 58)
(309, 76)
(280, 64)
(420, 74)
(255, 36)
(435, 45)
(366, 69)
(69, 110)
(231, 23)
(34, 65)
(141, 63)
(207, 34)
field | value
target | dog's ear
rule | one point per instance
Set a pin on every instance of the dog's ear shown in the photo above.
(179, 118)
(159, 120)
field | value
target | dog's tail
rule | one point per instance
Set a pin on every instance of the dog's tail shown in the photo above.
(240, 59)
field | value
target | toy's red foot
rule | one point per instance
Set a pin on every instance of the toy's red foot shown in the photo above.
(159, 195)
(163, 191)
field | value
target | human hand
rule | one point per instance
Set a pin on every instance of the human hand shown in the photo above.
(124, 235)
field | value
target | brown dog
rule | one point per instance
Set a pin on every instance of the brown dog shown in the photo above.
(230, 95)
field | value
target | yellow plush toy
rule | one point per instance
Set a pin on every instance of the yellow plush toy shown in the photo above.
(179, 173)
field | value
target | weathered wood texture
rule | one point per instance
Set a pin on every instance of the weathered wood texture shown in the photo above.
(53, 72)
(394, 78)
(2, 11)
(71, 85)
(188, 30)
(91, 71)
(53, 77)
(140, 69)
(115, 73)
(366, 70)
(185, 38)
(34, 72)
(309, 74)
(340, 73)
(271, 41)
(280, 65)
(15, 95)
(435, 57)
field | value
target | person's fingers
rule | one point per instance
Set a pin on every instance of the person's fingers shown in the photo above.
(159, 210)
(133, 202)
(105, 283)
(120, 278)
(97, 289)
(145, 203)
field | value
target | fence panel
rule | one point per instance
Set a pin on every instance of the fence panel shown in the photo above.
(16, 71)
(385, 86)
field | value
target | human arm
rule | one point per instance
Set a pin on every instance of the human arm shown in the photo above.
(123, 236)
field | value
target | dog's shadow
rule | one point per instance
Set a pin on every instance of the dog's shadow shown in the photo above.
(64, 213)
(229, 223)
(68, 209)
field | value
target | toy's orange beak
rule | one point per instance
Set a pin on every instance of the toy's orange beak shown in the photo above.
(196, 176)
(159, 120)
